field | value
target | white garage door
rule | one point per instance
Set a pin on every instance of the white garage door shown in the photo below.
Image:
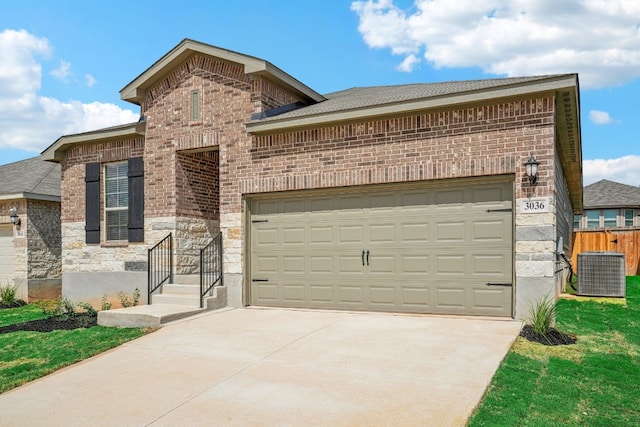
(6, 254)
(424, 249)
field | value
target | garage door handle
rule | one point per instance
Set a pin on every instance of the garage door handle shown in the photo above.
(363, 257)
(367, 257)
(499, 284)
(260, 280)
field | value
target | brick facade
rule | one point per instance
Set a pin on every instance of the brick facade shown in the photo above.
(197, 172)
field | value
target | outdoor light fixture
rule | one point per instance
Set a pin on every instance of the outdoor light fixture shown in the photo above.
(15, 219)
(532, 170)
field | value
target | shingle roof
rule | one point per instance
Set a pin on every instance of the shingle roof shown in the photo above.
(606, 193)
(32, 175)
(362, 97)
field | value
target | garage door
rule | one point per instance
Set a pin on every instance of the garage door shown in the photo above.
(427, 249)
(6, 254)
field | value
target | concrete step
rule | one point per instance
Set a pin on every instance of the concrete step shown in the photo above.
(162, 310)
(176, 299)
(181, 289)
(145, 316)
(186, 279)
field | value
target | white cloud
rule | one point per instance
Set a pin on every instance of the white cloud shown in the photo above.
(625, 169)
(597, 38)
(409, 63)
(30, 121)
(90, 80)
(600, 117)
(63, 71)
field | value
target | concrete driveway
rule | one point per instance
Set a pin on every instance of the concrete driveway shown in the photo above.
(277, 367)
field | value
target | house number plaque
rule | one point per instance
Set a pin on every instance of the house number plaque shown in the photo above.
(535, 205)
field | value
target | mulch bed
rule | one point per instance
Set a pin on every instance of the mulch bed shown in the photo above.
(553, 337)
(54, 323)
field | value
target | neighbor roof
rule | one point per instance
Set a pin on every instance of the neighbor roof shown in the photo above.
(31, 178)
(604, 194)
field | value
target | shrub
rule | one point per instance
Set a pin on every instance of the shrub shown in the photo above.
(542, 315)
(50, 307)
(127, 301)
(88, 308)
(8, 293)
(106, 305)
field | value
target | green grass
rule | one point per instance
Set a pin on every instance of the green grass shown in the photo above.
(26, 356)
(593, 383)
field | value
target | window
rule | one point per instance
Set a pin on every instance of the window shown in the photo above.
(610, 217)
(195, 105)
(593, 219)
(576, 221)
(628, 218)
(116, 203)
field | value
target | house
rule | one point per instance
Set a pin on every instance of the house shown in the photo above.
(411, 198)
(30, 251)
(610, 222)
(609, 205)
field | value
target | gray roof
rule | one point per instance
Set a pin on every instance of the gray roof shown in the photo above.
(363, 97)
(606, 193)
(33, 176)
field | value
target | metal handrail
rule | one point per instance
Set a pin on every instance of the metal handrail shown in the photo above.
(160, 265)
(210, 267)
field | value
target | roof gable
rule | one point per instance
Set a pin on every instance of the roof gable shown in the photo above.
(135, 91)
(612, 194)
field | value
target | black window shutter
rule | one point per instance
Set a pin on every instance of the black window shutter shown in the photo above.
(92, 202)
(136, 199)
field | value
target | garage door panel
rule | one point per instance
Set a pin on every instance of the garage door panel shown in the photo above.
(487, 300)
(7, 254)
(414, 232)
(431, 250)
(450, 298)
(293, 236)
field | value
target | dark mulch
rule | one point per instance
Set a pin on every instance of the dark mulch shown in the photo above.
(54, 323)
(553, 337)
(18, 303)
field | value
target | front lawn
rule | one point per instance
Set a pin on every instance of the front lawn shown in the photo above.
(595, 382)
(26, 356)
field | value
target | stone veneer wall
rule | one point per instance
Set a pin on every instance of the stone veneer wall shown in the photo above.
(37, 241)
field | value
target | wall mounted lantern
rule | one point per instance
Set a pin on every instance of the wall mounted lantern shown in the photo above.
(532, 170)
(15, 219)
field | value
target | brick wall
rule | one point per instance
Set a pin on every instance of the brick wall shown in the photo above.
(197, 185)
(487, 140)
(73, 171)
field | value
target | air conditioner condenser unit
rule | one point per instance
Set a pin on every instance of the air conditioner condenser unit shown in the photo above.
(601, 274)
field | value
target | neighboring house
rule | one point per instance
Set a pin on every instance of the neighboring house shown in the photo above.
(30, 252)
(409, 198)
(609, 205)
(610, 222)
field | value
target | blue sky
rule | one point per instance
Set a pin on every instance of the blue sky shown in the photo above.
(63, 63)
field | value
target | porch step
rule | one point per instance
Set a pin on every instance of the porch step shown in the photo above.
(181, 289)
(145, 316)
(164, 309)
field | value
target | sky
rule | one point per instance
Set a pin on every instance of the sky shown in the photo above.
(63, 63)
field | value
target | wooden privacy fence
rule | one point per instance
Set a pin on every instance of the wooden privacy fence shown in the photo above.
(622, 241)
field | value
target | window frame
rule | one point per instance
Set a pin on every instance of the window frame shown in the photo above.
(123, 229)
(607, 220)
(590, 221)
(626, 220)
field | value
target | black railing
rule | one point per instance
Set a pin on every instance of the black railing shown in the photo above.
(160, 270)
(210, 267)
